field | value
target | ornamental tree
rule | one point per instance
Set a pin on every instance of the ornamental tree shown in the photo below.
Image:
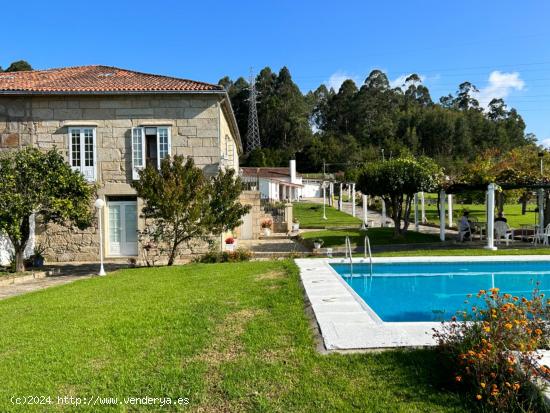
(396, 181)
(40, 183)
(184, 205)
(225, 210)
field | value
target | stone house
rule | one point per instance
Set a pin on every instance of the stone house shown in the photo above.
(109, 123)
(275, 183)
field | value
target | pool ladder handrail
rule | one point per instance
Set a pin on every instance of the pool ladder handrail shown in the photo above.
(349, 255)
(368, 250)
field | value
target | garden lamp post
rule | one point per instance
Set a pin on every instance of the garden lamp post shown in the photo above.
(99, 204)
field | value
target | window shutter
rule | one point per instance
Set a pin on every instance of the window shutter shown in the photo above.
(138, 151)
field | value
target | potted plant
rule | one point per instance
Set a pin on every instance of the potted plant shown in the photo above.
(295, 224)
(266, 226)
(230, 244)
(317, 243)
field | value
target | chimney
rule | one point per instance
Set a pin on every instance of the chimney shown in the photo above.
(292, 169)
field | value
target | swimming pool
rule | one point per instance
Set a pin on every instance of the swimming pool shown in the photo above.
(434, 291)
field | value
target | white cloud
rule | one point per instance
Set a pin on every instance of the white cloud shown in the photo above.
(337, 78)
(545, 142)
(398, 81)
(500, 85)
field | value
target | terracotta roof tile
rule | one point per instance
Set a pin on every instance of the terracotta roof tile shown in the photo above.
(90, 79)
(266, 172)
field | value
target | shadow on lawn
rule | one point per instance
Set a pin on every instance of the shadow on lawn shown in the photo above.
(418, 375)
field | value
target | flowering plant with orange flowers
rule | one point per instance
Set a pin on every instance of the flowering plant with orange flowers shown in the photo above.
(491, 350)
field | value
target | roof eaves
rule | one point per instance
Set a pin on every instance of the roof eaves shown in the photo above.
(23, 92)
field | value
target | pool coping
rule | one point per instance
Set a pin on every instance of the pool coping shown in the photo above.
(345, 320)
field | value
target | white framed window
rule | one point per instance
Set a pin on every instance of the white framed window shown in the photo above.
(163, 143)
(82, 151)
(138, 151)
(150, 145)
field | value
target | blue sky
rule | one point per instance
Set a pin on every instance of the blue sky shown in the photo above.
(503, 46)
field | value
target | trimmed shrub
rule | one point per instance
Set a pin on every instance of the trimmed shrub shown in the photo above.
(211, 257)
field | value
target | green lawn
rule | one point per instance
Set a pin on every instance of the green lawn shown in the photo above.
(377, 236)
(230, 337)
(511, 211)
(310, 215)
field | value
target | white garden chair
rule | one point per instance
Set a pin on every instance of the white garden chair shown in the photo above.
(502, 230)
(542, 236)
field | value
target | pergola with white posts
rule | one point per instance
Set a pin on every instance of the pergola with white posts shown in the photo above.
(489, 205)
(351, 195)
(327, 190)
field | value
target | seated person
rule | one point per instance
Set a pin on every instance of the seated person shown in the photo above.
(501, 218)
(465, 226)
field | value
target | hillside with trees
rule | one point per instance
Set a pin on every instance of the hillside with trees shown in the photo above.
(362, 122)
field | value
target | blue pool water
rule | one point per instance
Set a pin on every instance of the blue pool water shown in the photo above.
(436, 291)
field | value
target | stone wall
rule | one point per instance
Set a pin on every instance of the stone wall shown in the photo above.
(62, 244)
(251, 198)
(44, 121)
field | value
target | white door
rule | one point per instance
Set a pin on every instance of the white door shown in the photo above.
(247, 229)
(123, 228)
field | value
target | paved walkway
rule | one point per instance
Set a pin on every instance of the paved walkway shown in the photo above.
(62, 274)
(18, 288)
(277, 244)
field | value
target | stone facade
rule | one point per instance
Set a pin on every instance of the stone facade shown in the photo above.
(199, 126)
(251, 198)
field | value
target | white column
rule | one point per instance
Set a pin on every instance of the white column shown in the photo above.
(331, 194)
(450, 208)
(383, 223)
(353, 200)
(423, 215)
(491, 217)
(340, 198)
(541, 210)
(442, 215)
(415, 200)
(365, 212)
(324, 201)
(487, 206)
(349, 192)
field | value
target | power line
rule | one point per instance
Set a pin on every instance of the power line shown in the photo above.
(253, 132)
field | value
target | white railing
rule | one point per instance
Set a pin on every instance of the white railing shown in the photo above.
(369, 252)
(349, 255)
